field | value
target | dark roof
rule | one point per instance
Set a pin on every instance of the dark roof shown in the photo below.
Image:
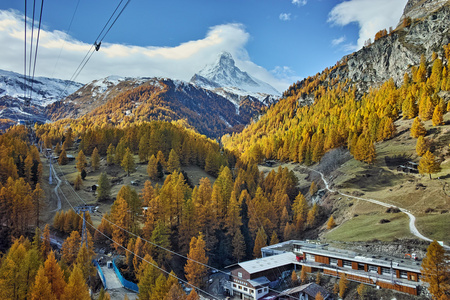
(311, 289)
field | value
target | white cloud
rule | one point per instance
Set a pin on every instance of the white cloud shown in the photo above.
(286, 74)
(179, 62)
(299, 2)
(285, 16)
(338, 41)
(371, 16)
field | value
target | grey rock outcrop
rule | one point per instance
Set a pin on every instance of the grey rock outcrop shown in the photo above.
(393, 55)
(416, 9)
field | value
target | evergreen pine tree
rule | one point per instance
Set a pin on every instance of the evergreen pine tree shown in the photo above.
(104, 187)
(110, 154)
(128, 164)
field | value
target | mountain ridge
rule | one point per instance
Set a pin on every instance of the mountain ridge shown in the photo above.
(144, 99)
(44, 91)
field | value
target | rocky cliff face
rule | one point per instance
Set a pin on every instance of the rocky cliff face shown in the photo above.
(416, 9)
(393, 55)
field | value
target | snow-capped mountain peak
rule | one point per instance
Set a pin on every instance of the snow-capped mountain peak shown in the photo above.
(224, 76)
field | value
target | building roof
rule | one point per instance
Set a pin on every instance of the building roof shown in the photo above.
(267, 263)
(384, 261)
(260, 281)
(288, 246)
(311, 289)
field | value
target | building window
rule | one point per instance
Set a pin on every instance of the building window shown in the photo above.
(403, 274)
(252, 291)
(260, 291)
(234, 285)
(245, 289)
(333, 261)
(385, 271)
(347, 264)
(361, 267)
(265, 289)
(239, 274)
(373, 269)
(310, 257)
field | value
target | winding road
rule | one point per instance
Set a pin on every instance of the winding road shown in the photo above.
(412, 219)
(55, 190)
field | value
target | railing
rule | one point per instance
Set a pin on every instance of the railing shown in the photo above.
(126, 284)
(100, 272)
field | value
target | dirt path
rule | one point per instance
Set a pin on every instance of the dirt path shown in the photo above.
(412, 219)
(55, 190)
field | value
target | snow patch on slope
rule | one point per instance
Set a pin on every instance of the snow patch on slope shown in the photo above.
(44, 90)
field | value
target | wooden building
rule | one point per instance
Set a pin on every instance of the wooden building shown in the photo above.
(251, 279)
(382, 272)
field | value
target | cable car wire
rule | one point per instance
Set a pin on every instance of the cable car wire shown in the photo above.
(96, 45)
(138, 256)
(37, 47)
(31, 48)
(65, 39)
(161, 247)
(25, 56)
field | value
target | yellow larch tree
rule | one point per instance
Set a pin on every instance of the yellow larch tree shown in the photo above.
(95, 159)
(195, 268)
(428, 164)
(55, 275)
(422, 145)
(436, 271)
(417, 128)
(331, 223)
(76, 287)
(41, 288)
(81, 161)
(343, 283)
(437, 118)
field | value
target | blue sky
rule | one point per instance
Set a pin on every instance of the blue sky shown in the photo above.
(278, 41)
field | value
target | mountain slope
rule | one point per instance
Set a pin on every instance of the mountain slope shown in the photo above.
(354, 101)
(225, 78)
(393, 55)
(354, 108)
(44, 91)
(126, 100)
